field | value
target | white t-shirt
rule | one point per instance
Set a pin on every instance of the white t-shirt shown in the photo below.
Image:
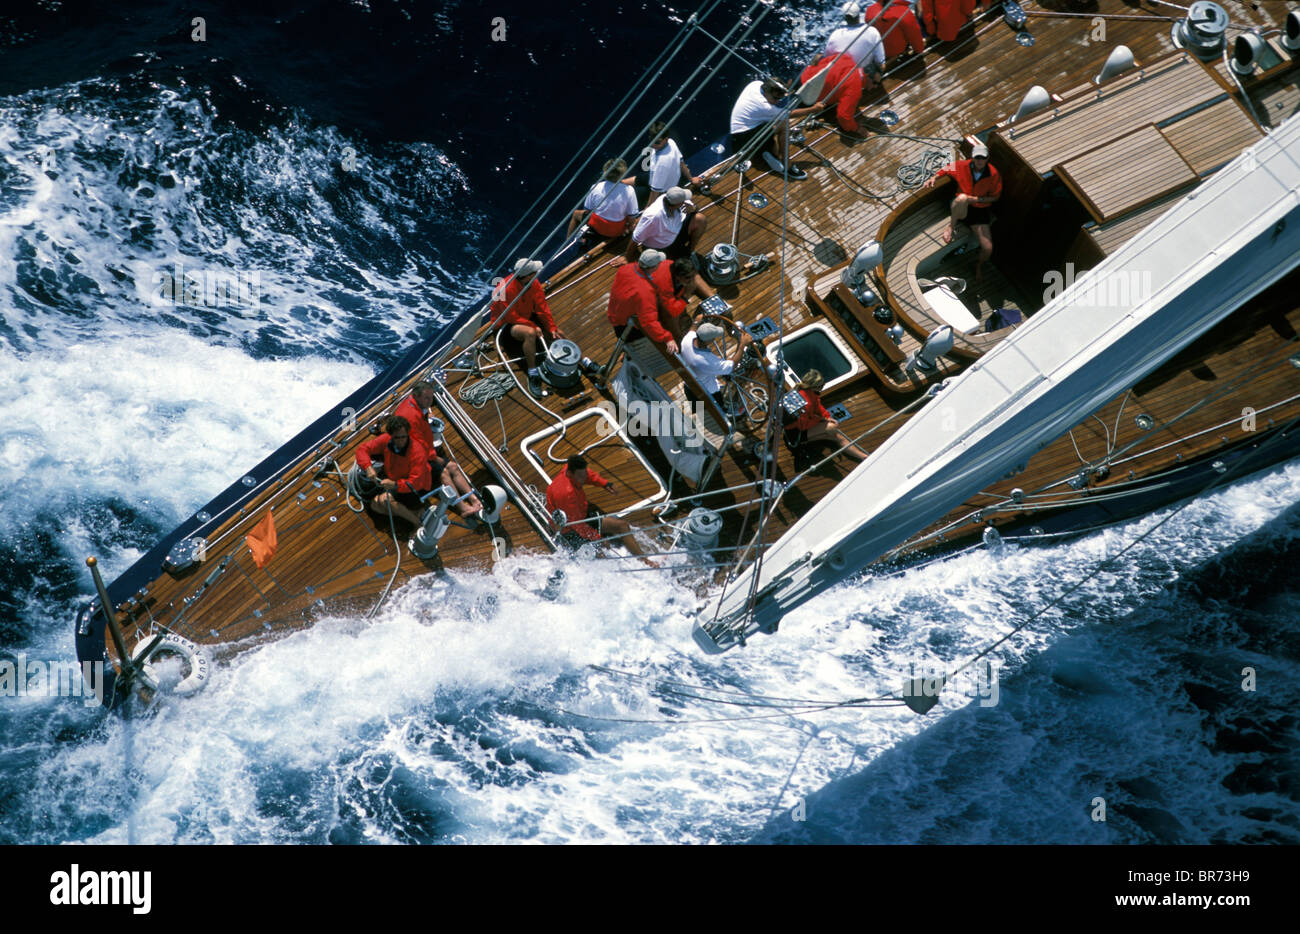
(657, 227)
(705, 365)
(665, 167)
(752, 109)
(616, 205)
(862, 45)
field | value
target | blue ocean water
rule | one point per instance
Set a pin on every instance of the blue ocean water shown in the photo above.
(465, 712)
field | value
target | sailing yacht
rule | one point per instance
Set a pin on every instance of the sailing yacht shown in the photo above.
(1139, 299)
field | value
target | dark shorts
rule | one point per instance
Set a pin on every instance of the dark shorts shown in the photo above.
(681, 247)
(573, 540)
(738, 140)
(410, 500)
(633, 333)
(436, 466)
(977, 215)
(693, 396)
(794, 437)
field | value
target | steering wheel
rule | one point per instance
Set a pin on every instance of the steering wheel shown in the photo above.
(746, 392)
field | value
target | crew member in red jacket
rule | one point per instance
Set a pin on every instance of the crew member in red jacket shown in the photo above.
(676, 282)
(583, 522)
(978, 187)
(843, 88)
(633, 294)
(519, 304)
(415, 409)
(945, 18)
(406, 470)
(815, 423)
(897, 26)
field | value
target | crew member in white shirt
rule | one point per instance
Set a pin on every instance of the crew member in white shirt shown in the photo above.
(861, 43)
(663, 165)
(671, 224)
(756, 113)
(704, 364)
(610, 206)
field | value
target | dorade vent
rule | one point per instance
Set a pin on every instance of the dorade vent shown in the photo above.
(1117, 62)
(1203, 31)
(1247, 49)
(1035, 100)
(1291, 31)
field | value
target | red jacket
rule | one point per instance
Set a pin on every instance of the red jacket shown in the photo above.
(897, 38)
(813, 414)
(634, 293)
(945, 18)
(410, 468)
(843, 84)
(669, 303)
(531, 309)
(564, 493)
(420, 430)
(989, 186)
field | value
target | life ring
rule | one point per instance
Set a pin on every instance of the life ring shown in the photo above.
(193, 655)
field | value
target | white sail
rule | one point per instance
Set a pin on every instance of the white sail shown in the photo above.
(1232, 237)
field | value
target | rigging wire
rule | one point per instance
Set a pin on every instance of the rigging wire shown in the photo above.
(1056, 601)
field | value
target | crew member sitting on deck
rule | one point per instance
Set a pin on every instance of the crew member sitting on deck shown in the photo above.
(979, 187)
(815, 423)
(666, 166)
(945, 18)
(704, 364)
(633, 296)
(582, 522)
(901, 37)
(665, 226)
(406, 470)
(415, 409)
(609, 209)
(859, 42)
(519, 306)
(756, 113)
(842, 88)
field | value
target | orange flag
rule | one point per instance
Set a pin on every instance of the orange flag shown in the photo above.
(261, 541)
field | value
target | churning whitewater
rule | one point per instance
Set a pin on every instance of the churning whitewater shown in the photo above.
(520, 705)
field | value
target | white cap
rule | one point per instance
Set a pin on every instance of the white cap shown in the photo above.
(528, 267)
(651, 258)
(708, 332)
(979, 149)
(676, 195)
(852, 9)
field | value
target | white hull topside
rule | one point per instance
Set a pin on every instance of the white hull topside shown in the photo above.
(1232, 237)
